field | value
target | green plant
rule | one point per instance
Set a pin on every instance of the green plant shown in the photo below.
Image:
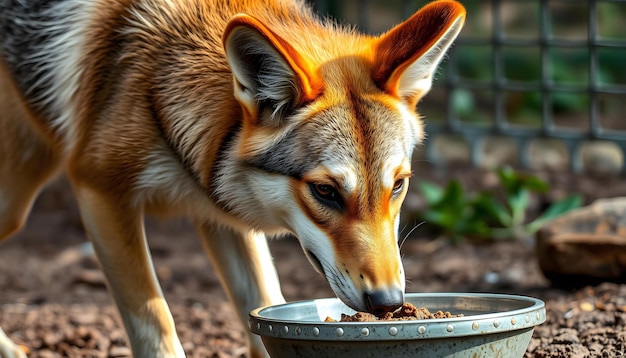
(450, 210)
(459, 215)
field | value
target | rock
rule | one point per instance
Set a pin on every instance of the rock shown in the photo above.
(586, 245)
(116, 351)
(93, 278)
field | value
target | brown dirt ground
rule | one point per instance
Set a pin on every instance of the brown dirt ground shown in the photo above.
(54, 302)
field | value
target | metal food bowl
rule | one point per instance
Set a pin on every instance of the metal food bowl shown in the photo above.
(493, 325)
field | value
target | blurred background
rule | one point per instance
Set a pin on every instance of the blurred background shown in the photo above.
(534, 83)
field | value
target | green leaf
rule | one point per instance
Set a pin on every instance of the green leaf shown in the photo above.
(513, 181)
(518, 202)
(472, 227)
(486, 208)
(534, 184)
(555, 210)
(447, 209)
(439, 218)
(453, 196)
(431, 192)
(507, 179)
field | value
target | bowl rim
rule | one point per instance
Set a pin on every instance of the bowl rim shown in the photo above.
(487, 323)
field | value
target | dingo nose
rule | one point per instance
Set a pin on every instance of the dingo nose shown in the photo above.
(381, 301)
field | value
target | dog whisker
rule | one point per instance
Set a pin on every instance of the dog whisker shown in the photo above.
(409, 233)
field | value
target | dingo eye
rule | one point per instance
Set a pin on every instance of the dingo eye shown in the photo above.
(326, 194)
(397, 186)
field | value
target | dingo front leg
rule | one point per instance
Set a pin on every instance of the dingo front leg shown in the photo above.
(246, 270)
(117, 232)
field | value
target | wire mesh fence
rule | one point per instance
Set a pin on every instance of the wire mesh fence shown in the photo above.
(537, 83)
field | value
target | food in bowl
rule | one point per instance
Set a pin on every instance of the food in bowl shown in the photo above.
(406, 312)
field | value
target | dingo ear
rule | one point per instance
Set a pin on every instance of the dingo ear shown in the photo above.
(407, 56)
(270, 76)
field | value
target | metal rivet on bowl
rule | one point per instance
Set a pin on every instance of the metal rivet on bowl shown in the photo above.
(513, 321)
(285, 329)
(421, 329)
(270, 328)
(537, 315)
(475, 325)
(258, 326)
(496, 323)
(393, 331)
(527, 318)
(298, 331)
(316, 331)
(449, 328)
(339, 332)
(365, 332)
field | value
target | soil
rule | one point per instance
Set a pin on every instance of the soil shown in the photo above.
(54, 302)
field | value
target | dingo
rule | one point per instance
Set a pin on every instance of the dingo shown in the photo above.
(251, 118)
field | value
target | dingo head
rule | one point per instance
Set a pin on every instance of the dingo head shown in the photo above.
(328, 133)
